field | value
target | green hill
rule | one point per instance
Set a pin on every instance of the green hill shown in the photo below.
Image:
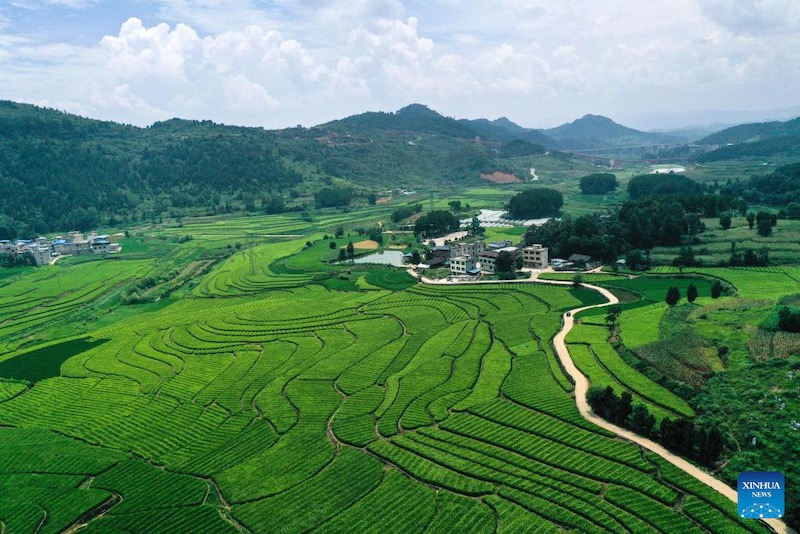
(758, 140)
(595, 131)
(60, 171)
(504, 130)
(749, 133)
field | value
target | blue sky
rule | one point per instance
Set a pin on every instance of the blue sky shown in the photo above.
(661, 63)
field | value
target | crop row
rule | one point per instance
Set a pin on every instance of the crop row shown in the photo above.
(604, 366)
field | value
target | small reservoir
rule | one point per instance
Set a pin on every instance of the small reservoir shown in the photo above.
(385, 257)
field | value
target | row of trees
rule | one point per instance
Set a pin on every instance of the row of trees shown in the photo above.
(673, 295)
(681, 435)
(404, 212)
(636, 225)
(780, 187)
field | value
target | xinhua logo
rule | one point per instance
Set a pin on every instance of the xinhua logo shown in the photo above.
(761, 495)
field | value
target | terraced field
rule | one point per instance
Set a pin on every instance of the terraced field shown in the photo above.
(268, 403)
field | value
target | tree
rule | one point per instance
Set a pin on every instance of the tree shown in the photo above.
(751, 217)
(519, 262)
(309, 244)
(673, 296)
(635, 259)
(332, 244)
(339, 232)
(350, 250)
(404, 212)
(533, 203)
(598, 183)
(505, 262)
(725, 221)
(613, 314)
(436, 222)
(789, 319)
(716, 289)
(691, 293)
(648, 185)
(415, 257)
(602, 401)
(577, 280)
(342, 254)
(455, 205)
(764, 227)
(333, 197)
(640, 420)
(624, 408)
(685, 258)
(475, 228)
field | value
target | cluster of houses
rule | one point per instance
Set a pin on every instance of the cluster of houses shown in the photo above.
(473, 258)
(45, 251)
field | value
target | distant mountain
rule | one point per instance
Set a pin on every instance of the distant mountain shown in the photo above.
(596, 131)
(760, 140)
(418, 118)
(504, 130)
(413, 118)
(692, 134)
(749, 133)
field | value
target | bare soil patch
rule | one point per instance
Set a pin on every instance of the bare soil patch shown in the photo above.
(366, 245)
(501, 178)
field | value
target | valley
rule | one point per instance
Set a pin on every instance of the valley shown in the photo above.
(236, 367)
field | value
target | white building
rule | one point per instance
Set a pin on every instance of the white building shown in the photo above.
(462, 265)
(470, 249)
(535, 257)
(41, 254)
(488, 261)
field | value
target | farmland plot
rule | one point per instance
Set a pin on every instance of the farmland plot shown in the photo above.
(271, 404)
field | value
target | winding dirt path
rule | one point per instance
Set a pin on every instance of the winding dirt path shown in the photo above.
(582, 387)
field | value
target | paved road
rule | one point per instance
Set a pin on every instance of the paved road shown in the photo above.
(582, 386)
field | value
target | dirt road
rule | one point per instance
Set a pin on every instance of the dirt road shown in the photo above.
(582, 387)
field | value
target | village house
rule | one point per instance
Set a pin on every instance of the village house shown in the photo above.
(470, 249)
(488, 261)
(535, 257)
(463, 265)
(495, 245)
(583, 262)
(45, 252)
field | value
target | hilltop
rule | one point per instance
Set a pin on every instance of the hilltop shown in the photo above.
(756, 140)
(596, 131)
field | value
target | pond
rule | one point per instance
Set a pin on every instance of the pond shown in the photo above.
(385, 257)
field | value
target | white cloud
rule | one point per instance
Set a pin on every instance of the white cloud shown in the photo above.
(754, 17)
(282, 62)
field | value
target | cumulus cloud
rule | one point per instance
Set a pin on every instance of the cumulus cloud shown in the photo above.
(754, 17)
(285, 62)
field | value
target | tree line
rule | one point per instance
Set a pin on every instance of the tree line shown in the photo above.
(699, 442)
(665, 209)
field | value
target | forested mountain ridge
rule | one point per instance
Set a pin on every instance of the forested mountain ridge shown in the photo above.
(748, 133)
(756, 140)
(60, 171)
(503, 129)
(596, 131)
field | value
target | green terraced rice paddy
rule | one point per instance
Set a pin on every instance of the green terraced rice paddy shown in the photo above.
(269, 403)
